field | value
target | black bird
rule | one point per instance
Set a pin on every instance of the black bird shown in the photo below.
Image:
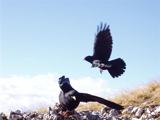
(102, 51)
(70, 98)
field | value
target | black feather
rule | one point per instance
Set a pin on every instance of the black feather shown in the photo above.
(102, 51)
(68, 103)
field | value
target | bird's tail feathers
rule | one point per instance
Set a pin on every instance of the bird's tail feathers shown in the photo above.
(117, 68)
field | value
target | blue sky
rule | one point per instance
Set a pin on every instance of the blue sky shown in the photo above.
(50, 38)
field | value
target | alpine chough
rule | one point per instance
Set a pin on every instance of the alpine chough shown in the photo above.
(102, 51)
(70, 98)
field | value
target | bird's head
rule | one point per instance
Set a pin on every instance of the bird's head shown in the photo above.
(63, 80)
(89, 59)
(64, 84)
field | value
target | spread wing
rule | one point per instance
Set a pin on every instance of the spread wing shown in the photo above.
(84, 97)
(103, 43)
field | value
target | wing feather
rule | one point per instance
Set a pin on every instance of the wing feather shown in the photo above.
(84, 97)
(103, 43)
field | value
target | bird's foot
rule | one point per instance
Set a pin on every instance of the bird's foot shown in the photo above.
(101, 71)
(65, 113)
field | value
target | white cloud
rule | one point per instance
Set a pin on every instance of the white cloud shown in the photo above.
(28, 93)
(92, 86)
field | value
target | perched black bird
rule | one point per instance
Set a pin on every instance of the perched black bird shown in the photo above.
(69, 98)
(102, 51)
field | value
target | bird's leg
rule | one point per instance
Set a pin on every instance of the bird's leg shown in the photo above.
(58, 105)
(101, 70)
(65, 113)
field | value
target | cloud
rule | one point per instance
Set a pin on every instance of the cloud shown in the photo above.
(28, 93)
(92, 86)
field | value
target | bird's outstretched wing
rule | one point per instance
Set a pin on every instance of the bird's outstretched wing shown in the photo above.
(84, 97)
(103, 43)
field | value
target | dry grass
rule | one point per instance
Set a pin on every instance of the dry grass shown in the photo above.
(146, 93)
(42, 108)
(91, 105)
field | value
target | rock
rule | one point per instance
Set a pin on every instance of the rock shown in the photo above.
(157, 109)
(16, 117)
(40, 116)
(134, 110)
(9, 115)
(143, 117)
(151, 112)
(130, 108)
(139, 112)
(103, 110)
(18, 112)
(145, 103)
(115, 118)
(106, 116)
(134, 119)
(148, 111)
(95, 113)
(149, 116)
(124, 118)
(1, 118)
(152, 119)
(113, 112)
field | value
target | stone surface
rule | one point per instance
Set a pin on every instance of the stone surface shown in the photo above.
(145, 103)
(130, 108)
(113, 112)
(55, 113)
(139, 112)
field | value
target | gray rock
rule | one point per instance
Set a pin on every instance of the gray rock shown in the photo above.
(18, 112)
(106, 116)
(9, 115)
(113, 112)
(143, 117)
(130, 108)
(103, 110)
(147, 111)
(123, 117)
(153, 114)
(157, 110)
(55, 113)
(115, 118)
(139, 112)
(134, 110)
(134, 119)
(16, 117)
(1, 118)
(146, 103)
(149, 116)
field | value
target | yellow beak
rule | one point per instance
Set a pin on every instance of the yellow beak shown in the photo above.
(74, 97)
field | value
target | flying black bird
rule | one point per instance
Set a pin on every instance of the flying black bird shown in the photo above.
(70, 98)
(102, 51)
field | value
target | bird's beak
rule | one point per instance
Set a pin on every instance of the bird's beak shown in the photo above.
(74, 97)
(83, 59)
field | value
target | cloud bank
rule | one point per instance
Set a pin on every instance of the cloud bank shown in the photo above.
(29, 93)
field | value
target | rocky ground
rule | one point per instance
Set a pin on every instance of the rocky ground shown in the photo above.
(151, 112)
